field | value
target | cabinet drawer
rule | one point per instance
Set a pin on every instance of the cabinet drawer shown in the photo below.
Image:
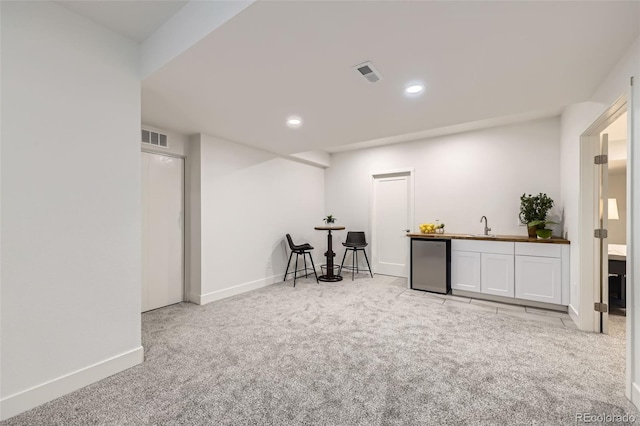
(497, 247)
(539, 249)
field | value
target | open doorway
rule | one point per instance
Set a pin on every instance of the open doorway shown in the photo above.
(605, 230)
(595, 218)
(617, 223)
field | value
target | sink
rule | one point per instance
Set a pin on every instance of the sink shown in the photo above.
(481, 235)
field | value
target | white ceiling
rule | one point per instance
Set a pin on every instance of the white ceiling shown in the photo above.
(134, 19)
(482, 62)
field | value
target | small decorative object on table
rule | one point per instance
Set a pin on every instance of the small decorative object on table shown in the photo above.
(432, 228)
(534, 210)
(330, 220)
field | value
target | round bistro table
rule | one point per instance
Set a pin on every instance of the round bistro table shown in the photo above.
(330, 277)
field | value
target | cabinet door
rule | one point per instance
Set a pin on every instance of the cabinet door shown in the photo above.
(539, 279)
(465, 271)
(497, 274)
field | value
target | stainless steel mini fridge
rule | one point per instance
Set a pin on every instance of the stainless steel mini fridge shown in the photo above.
(431, 265)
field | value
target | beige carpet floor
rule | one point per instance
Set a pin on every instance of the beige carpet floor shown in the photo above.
(363, 352)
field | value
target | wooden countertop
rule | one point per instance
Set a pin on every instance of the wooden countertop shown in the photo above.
(510, 238)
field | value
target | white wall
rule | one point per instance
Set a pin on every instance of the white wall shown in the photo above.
(1, 173)
(618, 189)
(249, 199)
(193, 231)
(616, 83)
(633, 193)
(458, 178)
(70, 204)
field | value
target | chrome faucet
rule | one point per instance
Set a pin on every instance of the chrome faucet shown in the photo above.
(486, 225)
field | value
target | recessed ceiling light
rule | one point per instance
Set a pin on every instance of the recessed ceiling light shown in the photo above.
(414, 89)
(294, 121)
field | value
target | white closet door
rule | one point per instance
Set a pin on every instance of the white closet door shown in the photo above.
(162, 231)
(390, 225)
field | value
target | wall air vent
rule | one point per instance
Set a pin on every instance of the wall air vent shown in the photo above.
(368, 71)
(154, 138)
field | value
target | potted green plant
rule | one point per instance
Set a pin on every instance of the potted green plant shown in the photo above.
(542, 232)
(330, 220)
(534, 208)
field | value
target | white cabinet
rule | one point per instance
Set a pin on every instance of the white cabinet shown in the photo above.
(482, 266)
(527, 271)
(539, 272)
(497, 274)
(465, 270)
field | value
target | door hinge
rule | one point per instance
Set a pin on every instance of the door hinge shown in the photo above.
(600, 233)
(600, 159)
(600, 307)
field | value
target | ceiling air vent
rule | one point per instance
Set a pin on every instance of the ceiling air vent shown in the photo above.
(154, 138)
(368, 71)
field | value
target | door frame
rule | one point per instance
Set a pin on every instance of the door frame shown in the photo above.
(589, 188)
(377, 174)
(185, 216)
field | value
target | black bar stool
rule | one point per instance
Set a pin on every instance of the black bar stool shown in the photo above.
(356, 241)
(302, 249)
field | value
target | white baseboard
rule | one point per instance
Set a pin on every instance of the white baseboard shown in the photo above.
(237, 289)
(575, 316)
(635, 395)
(509, 300)
(194, 298)
(45, 392)
(573, 312)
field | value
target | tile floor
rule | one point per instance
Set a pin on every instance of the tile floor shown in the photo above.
(559, 319)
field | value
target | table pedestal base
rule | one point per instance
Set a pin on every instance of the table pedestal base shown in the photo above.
(330, 276)
(330, 279)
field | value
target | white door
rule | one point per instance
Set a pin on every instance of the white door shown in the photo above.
(162, 231)
(390, 224)
(465, 270)
(497, 274)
